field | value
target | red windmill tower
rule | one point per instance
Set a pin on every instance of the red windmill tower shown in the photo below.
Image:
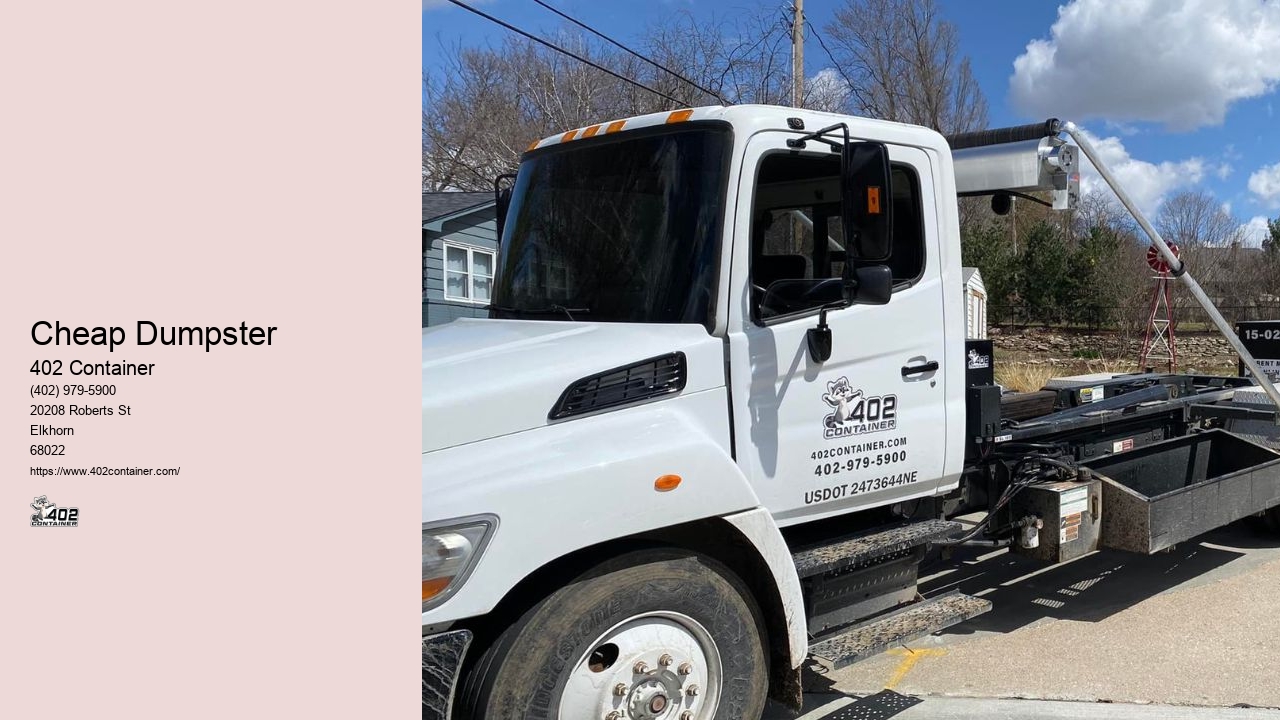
(1159, 345)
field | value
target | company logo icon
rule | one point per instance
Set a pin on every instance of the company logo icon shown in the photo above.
(50, 515)
(978, 361)
(854, 413)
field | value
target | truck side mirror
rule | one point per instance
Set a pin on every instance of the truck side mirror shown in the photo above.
(502, 187)
(866, 201)
(872, 285)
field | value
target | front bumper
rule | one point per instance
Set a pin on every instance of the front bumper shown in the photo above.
(441, 661)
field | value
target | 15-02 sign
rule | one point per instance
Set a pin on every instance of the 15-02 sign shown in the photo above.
(1262, 340)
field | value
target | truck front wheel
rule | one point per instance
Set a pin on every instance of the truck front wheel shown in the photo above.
(650, 635)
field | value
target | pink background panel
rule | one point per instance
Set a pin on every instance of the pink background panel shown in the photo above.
(207, 164)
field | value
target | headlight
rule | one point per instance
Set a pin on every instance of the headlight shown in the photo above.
(449, 552)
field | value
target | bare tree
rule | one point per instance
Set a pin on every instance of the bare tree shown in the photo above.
(1195, 218)
(1099, 209)
(905, 64)
(1211, 239)
(482, 109)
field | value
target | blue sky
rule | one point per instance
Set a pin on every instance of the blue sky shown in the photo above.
(1179, 94)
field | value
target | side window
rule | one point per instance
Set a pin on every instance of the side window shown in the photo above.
(797, 258)
(908, 258)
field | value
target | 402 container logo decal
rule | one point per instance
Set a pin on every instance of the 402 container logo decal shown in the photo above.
(853, 413)
(50, 515)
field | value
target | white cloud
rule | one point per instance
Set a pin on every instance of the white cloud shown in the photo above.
(1177, 62)
(826, 90)
(1254, 232)
(1146, 183)
(1265, 184)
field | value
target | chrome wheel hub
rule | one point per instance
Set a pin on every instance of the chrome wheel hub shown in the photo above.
(656, 666)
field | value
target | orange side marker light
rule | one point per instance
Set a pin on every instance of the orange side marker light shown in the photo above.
(666, 483)
(873, 200)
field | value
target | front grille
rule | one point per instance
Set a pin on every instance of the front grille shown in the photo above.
(647, 379)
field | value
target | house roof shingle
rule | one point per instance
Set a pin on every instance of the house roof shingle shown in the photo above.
(439, 204)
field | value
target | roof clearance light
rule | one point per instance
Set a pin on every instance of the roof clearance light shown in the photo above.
(591, 131)
(568, 136)
(679, 116)
(615, 126)
(533, 145)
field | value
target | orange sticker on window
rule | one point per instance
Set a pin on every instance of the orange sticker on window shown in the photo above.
(873, 200)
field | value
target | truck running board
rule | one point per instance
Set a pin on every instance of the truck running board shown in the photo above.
(907, 623)
(864, 548)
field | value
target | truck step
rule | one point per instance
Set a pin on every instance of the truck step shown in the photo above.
(907, 623)
(852, 551)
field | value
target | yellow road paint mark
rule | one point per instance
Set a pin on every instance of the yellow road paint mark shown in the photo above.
(909, 659)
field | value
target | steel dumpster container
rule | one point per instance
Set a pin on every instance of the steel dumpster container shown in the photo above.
(1166, 493)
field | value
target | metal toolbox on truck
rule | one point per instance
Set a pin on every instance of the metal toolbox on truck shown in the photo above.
(1169, 492)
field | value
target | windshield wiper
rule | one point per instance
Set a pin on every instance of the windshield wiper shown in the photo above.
(548, 310)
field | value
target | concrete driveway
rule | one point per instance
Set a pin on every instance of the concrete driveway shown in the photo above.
(1198, 625)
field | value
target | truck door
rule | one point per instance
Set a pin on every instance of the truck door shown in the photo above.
(868, 426)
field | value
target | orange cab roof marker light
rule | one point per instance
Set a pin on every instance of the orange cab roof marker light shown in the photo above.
(615, 126)
(533, 145)
(591, 131)
(679, 116)
(568, 136)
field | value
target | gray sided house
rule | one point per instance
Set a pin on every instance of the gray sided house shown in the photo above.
(459, 255)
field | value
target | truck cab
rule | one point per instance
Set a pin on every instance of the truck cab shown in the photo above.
(715, 418)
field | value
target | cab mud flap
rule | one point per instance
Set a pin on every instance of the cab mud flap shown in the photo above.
(1166, 493)
(441, 660)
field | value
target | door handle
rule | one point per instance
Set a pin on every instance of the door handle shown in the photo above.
(909, 370)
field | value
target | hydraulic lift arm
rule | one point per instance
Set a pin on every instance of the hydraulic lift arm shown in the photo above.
(1033, 158)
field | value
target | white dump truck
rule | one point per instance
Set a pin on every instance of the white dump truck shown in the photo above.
(723, 405)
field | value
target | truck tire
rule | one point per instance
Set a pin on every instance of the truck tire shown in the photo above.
(648, 635)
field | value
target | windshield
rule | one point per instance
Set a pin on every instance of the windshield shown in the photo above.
(617, 231)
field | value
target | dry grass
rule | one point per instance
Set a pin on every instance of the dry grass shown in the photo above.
(1031, 376)
(1025, 377)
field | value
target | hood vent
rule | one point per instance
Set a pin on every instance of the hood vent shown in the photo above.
(645, 380)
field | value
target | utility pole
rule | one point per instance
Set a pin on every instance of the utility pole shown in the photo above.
(797, 100)
(797, 54)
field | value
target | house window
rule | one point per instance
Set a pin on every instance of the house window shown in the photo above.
(468, 273)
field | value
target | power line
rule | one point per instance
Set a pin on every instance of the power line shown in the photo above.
(561, 50)
(654, 63)
(852, 88)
